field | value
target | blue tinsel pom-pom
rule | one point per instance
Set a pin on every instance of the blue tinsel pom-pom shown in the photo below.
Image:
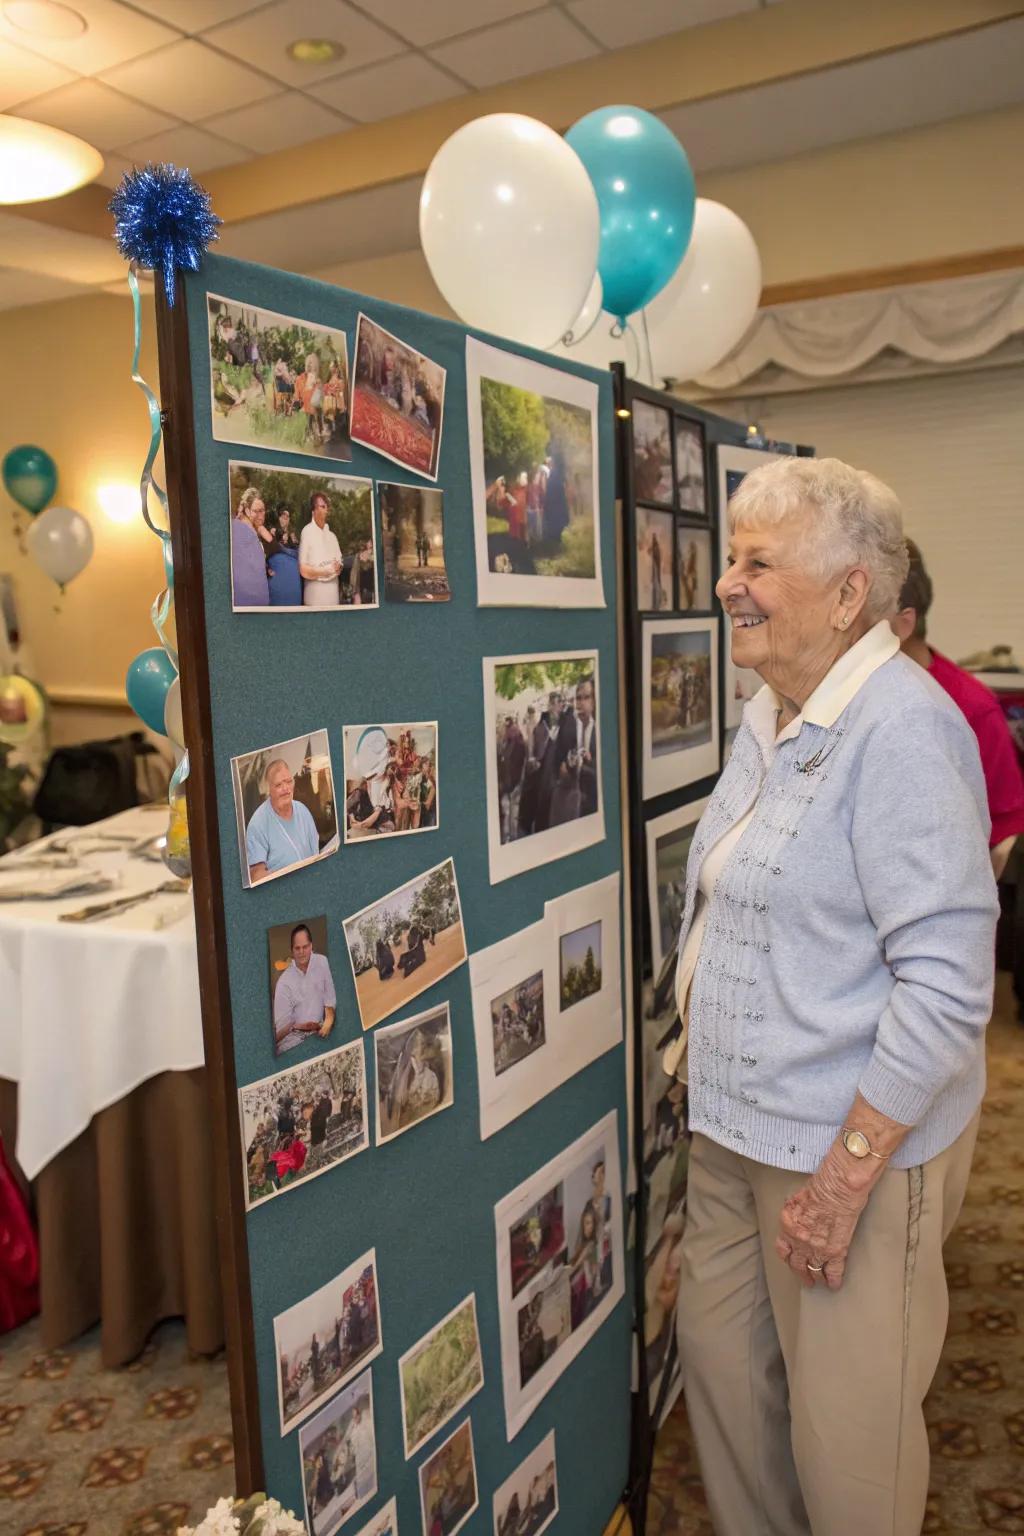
(163, 221)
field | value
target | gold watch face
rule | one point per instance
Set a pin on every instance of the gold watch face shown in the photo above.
(856, 1143)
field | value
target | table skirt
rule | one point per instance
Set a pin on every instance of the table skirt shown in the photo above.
(125, 1213)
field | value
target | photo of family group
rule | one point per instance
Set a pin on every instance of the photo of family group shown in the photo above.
(693, 567)
(277, 382)
(668, 848)
(403, 943)
(303, 1002)
(299, 1123)
(384, 1522)
(414, 1071)
(544, 766)
(323, 1340)
(654, 586)
(448, 1486)
(397, 400)
(652, 453)
(579, 965)
(339, 1458)
(440, 1374)
(534, 464)
(680, 717)
(284, 807)
(412, 533)
(391, 782)
(691, 491)
(300, 539)
(517, 1022)
(527, 1502)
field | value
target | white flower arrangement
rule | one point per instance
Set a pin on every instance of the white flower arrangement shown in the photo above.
(255, 1516)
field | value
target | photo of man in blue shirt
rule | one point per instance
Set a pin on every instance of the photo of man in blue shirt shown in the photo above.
(281, 831)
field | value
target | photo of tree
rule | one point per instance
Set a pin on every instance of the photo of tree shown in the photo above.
(439, 1374)
(579, 965)
(412, 532)
(405, 942)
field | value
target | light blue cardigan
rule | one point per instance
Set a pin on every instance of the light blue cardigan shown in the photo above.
(850, 939)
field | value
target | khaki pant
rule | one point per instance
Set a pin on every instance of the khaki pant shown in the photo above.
(806, 1405)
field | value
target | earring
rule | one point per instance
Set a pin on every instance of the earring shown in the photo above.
(846, 619)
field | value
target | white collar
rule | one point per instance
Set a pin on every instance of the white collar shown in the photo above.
(837, 689)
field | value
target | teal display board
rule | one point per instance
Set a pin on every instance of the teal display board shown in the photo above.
(425, 1202)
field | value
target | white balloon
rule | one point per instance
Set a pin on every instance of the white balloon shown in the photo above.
(509, 225)
(588, 315)
(172, 714)
(60, 542)
(705, 309)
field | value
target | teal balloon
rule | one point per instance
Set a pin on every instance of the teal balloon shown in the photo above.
(30, 476)
(147, 685)
(647, 198)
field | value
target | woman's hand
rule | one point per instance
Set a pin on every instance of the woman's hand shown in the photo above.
(817, 1224)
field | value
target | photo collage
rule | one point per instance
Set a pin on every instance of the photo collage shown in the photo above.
(311, 526)
(673, 555)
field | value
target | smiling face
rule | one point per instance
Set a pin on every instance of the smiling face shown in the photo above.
(280, 788)
(320, 510)
(302, 948)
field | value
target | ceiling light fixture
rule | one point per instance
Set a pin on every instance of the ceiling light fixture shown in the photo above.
(315, 50)
(44, 18)
(38, 162)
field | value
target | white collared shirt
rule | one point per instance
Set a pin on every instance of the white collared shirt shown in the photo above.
(319, 549)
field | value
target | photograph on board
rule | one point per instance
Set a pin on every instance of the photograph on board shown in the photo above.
(277, 382)
(734, 464)
(384, 1522)
(679, 691)
(652, 453)
(654, 560)
(338, 1451)
(303, 1002)
(536, 486)
(405, 941)
(543, 769)
(412, 535)
(414, 1071)
(691, 491)
(527, 1502)
(300, 539)
(302, 1122)
(439, 1375)
(517, 1022)
(693, 569)
(391, 784)
(662, 1269)
(448, 1486)
(397, 400)
(668, 848)
(579, 965)
(323, 1340)
(560, 1265)
(284, 807)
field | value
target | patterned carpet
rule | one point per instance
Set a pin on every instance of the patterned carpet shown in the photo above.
(975, 1410)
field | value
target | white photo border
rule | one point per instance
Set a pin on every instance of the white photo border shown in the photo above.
(542, 1453)
(686, 815)
(353, 1270)
(411, 1450)
(240, 828)
(413, 1022)
(404, 725)
(371, 447)
(385, 1521)
(476, 1477)
(376, 1459)
(688, 764)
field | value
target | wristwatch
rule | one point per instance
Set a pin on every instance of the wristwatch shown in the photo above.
(858, 1145)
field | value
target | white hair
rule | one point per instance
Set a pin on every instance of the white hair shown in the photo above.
(847, 518)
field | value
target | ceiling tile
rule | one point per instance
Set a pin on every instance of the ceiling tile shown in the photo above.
(114, 167)
(441, 19)
(279, 123)
(384, 90)
(349, 228)
(617, 25)
(114, 34)
(186, 146)
(512, 49)
(33, 247)
(18, 289)
(95, 113)
(197, 15)
(24, 75)
(261, 39)
(191, 81)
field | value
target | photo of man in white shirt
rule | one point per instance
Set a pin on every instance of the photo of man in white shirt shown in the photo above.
(319, 558)
(304, 996)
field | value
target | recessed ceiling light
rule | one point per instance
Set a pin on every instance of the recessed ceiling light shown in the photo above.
(315, 50)
(38, 162)
(44, 18)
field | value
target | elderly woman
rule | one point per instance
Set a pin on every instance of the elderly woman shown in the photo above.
(835, 978)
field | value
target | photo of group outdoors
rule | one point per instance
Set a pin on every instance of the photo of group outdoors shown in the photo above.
(652, 453)
(284, 807)
(301, 1122)
(339, 1458)
(397, 400)
(690, 486)
(543, 767)
(414, 1071)
(579, 965)
(303, 1001)
(527, 1502)
(384, 1522)
(560, 1265)
(403, 943)
(534, 464)
(391, 784)
(324, 1340)
(668, 848)
(653, 560)
(412, 533)
(693, 564)
(277, 382)
(517, 1022)
(439, 1374)
(680, 703)
(300, 539)
(448, 1486)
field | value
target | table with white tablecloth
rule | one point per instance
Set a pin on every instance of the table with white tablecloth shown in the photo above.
(102, 1089)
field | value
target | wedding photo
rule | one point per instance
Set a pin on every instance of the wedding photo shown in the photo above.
(391, 784)
(339, 1458)
(680, 716)
(652, 453)
(654, 560)
(303, 1002)
(439, 1374)
(324, 1339)
(414, 1071)
(527, 1502)
(412, 533)
(284, 807)
(517, 1022)
(448, 1486)
(397, 401)
(693, 567)
(277, 382)
(405, 941)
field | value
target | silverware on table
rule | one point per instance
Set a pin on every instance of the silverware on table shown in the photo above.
(124, 903)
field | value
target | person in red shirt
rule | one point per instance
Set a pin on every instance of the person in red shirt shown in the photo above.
(1003, 777)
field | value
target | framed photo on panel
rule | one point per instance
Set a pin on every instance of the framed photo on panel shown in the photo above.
(694, 590)
(668, 848)
(734, 464)
(691, 488)
(652, 453)
(679, 703)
